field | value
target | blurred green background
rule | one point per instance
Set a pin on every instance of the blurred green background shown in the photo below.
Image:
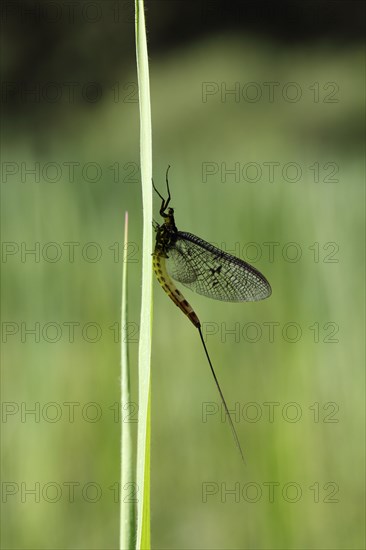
(298, 394)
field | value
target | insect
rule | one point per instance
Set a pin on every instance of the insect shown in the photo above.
(205, 269)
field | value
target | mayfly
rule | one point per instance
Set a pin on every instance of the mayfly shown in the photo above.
(205, 269)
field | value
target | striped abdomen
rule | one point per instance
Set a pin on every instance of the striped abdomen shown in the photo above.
(172, 291)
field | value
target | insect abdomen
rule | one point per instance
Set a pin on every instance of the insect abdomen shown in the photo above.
(169, 287)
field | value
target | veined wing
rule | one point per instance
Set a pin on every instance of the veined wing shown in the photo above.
(214, 273)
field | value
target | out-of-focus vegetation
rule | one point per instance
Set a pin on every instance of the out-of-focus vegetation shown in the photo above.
(291, 367)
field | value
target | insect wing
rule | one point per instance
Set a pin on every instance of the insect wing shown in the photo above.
(214, 273)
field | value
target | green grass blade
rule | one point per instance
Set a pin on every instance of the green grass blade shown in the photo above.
(128, 511)
(143, 438)
(145, 532)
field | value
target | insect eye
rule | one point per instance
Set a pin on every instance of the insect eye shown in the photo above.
(171, 211)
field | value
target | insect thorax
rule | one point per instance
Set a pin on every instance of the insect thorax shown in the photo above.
(166, 236)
